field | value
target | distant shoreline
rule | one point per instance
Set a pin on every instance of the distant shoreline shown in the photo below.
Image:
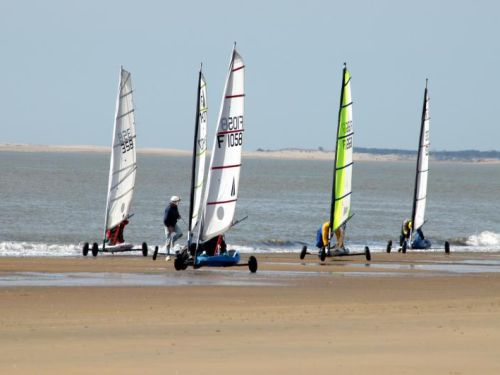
(287, 154)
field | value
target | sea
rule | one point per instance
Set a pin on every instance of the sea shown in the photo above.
(51, 203)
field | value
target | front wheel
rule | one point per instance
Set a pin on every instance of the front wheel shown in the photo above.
(179, 264)
(447, 247)
(405, 245)
(95, 249)
(144, 249)
(252, 264)
(368, 255)
(322, 254)
(155, 253)
(303, 252)
(389, 246)
(85, 249)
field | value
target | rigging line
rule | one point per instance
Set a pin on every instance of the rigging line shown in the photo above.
(345, 166)
(345, 136)
(121, 196)
(342, 197)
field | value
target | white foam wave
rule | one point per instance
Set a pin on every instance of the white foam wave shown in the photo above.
(30, 249)
(485, 238)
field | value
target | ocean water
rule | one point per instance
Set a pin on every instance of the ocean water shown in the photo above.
(50, 203)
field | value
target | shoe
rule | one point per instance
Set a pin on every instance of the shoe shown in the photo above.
(167, 259)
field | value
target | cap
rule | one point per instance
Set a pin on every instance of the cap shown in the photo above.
(175, 199)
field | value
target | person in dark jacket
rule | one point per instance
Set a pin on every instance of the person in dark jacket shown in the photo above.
(172, 230)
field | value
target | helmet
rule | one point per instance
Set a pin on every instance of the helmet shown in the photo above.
(175, 199)
(410, 224)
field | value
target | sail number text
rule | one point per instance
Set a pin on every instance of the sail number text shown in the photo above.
(126, 140)
(347, 141)
(230, 126)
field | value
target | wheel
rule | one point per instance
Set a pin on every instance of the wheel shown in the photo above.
(405, 245)
(303, 252)
(179, 264)
(85, 249)
(447, 247)
(95, 249)
(322, 254)
(368, 255)
(389, 246)
(155, 253)
(252, 264)
(144, 249)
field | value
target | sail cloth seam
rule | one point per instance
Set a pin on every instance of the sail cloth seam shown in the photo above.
(342, 197)
(221, 202)
(345, 166)
(234, 96)
(349, 80)
(423, 171)
(126, 94)
(227, 166)
(347, 105)
(125, 81)
(345, 136)
(125, 114)
(124, 169)
(121, 196)
(419, 199)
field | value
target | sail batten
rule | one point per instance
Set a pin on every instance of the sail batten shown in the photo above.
(123, 165)
(225, 163)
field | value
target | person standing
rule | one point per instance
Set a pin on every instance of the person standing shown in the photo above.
(172, 230)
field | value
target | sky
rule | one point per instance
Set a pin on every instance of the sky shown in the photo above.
(60, 61)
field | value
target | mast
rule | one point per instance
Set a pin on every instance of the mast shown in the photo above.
(193, 163)
(421, 144)
(332, 203)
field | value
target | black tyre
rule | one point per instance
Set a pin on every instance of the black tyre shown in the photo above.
(403, 249)
(85, 249)
(95, 249)
(155, 253)
(303, 252)
(389, 246)
(322, 254)
(368, 255)
(252, 264)
(447, 247)
(179, 264)
(144, 249)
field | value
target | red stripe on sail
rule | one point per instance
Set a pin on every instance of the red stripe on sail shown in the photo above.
(221, 202)
(235, 96)
(227, 166)
(236, 69)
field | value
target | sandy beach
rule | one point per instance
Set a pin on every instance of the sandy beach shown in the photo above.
(391, 316)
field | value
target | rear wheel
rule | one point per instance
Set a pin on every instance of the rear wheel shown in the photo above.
(155, 253)
(389, 246)
(403, 249)
(322, 254)
(95, 249)
(179, 264)
(368, 255)
(144, 249)
(303, 252)
(447, 247)
(85, 249)
(252, 264)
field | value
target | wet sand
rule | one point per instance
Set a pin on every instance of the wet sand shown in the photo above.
(401, 314)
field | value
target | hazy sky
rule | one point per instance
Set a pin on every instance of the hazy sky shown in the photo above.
(60, 62)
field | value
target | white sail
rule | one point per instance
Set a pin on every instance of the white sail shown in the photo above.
(200, 149)
(224, 172)
(420, 197)
(123, 165)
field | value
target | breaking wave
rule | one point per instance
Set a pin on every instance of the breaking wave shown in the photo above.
(485, 238)
(33, 249)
